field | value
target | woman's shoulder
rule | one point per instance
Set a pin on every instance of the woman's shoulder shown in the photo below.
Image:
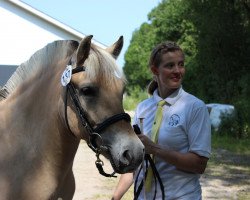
(146, 102)
(144, 107)
(193, 100)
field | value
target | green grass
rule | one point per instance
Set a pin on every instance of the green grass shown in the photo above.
(241, 146)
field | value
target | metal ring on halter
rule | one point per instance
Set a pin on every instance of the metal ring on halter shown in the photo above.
(97, 149)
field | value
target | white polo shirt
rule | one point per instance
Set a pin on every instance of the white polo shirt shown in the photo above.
(185, 128)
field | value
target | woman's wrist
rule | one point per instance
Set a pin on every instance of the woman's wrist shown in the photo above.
(155, 149)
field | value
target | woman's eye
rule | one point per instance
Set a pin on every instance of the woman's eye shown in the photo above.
(87, 91)
(181, 64)
(170, 65)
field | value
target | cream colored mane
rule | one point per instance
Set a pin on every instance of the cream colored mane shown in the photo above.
(43, 58)
(103, 67)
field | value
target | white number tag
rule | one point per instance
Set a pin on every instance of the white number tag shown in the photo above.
(66, 76)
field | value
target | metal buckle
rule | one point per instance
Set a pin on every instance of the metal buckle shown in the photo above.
(90, 144)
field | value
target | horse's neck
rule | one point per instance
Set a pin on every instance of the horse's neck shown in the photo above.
(36, 128)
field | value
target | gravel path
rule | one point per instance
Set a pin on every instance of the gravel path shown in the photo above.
(89, 183)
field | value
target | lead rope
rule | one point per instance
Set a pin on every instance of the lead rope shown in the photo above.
(148, 160)
(144, 169)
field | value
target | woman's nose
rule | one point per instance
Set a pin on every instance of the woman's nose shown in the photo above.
(176, 69)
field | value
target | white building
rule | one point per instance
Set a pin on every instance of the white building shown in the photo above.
(24, 30)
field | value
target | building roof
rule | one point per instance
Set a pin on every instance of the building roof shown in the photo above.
(13, 50)
(5, 72)
(21, 6)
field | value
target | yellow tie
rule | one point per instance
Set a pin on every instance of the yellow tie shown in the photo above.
(154, 137)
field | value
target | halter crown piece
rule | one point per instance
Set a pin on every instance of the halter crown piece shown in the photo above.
(93, 133)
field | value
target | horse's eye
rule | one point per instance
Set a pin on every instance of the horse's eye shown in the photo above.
(88, 91)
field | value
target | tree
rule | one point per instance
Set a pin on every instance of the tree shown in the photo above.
(223, 49)
(136, 58)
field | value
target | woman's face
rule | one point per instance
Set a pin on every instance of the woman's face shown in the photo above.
(171, 70)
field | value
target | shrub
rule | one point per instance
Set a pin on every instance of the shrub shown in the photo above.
(131, 101)
(235, 124)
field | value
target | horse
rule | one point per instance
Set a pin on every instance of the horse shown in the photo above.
(66, 92)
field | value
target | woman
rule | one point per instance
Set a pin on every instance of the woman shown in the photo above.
(183, 145)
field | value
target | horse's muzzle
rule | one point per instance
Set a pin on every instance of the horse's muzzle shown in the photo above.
(128, 160)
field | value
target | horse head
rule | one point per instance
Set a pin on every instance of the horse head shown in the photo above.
(93, 108)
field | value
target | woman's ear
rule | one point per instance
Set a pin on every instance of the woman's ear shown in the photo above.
(154, 70)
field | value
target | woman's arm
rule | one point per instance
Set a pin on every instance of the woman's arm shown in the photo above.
(189, 161)
(125, 181)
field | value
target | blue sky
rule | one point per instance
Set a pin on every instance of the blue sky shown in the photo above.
(106, 20)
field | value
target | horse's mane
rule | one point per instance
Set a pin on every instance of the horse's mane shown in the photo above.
(103, 66)
(42, 58)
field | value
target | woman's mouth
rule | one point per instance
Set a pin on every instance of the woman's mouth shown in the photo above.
(176, 79)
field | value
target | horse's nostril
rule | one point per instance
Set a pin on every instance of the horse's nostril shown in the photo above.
(126, 158)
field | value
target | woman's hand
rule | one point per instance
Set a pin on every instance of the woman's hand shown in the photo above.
(148, 143)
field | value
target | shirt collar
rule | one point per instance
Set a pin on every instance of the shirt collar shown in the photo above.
(171, 99)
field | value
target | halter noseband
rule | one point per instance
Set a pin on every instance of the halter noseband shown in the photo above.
(93, 133)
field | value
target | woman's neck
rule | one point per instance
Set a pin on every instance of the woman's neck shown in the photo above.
(165, 92)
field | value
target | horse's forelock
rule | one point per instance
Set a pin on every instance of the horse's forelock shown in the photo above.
(101, 67)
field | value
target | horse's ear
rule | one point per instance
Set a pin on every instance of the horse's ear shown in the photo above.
(116, 48)
(83, 50)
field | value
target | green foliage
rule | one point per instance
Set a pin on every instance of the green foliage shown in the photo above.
(131, 101)
(136, 57)
(230, 125)
(222, 54)
(243, 118)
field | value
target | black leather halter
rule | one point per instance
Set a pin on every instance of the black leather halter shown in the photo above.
(93, 133)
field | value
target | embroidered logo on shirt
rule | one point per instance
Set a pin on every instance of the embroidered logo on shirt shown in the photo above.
(174, 120)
